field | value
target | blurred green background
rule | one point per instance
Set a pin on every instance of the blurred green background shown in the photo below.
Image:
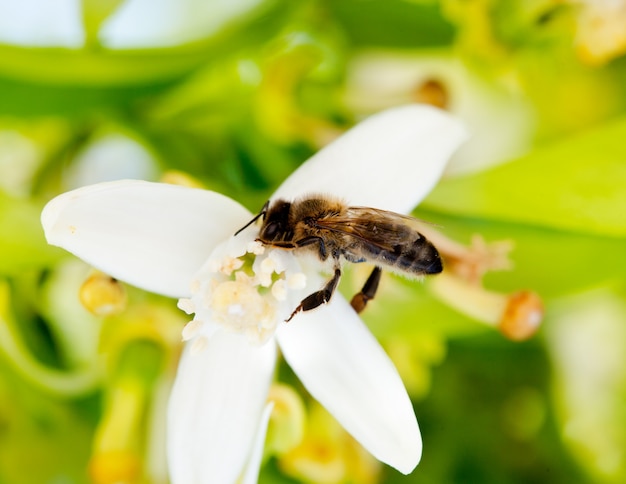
(233, 97)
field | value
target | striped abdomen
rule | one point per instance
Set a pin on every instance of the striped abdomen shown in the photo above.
(415, 256)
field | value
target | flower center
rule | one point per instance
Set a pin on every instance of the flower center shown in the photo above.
(243, 287)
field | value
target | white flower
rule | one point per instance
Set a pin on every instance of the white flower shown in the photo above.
(503, 124)
(179, 242)
(136, 24)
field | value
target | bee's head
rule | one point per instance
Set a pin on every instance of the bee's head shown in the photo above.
(275, 222)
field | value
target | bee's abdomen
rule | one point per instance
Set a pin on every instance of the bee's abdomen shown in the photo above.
(417, 257)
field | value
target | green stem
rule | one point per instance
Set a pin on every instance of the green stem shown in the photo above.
(63, 383)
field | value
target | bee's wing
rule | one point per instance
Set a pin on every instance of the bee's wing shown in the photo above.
(381, 228)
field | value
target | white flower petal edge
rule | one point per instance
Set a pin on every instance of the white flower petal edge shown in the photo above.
(152, 235)
(390, 161)
(251, 475)
(216, 407)
(343, 366)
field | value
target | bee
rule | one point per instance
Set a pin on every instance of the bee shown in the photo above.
(333, 230)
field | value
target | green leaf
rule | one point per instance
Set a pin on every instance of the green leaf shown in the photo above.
(550, 262)
(56, 434)
(22, 243)
(406, 307)
(392, 23)
(578, 184)
(102, 67)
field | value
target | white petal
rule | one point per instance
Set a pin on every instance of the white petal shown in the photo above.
(216, 408)
(145, 24)
(251, 475)
(152, 235)
(391, 160)
(342, 365)
(500, 118)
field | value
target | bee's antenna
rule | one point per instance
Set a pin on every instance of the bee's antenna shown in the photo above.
(255, 218)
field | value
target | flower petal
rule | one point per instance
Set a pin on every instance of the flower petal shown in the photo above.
(251, 474)
(342, 365)
(152, 235)
(216, 408)
(391, 160)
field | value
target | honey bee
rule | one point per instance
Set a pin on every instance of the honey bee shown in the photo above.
(331, 229)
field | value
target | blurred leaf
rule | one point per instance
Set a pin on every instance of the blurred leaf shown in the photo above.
(405, 307)
(587, 342)
(30, 99)
(54, 434)
(26, 359)
(558, 116)
(74, 332)
(467, 418)
(95, 12)
(22, 243)
(58, 66)
(137, 67)
(392, 23)
(556, 263)
(538, 23)
(550, 261)
(577, 184)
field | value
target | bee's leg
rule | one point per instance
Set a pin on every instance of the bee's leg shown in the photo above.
(359, 301)
(314, 240)
(282, 245)
(320, 297)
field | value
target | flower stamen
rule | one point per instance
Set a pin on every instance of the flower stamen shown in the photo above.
(241, 288)
(103, 295)
(186, 305)
(517, 316)
(199, 345)
(191, 329)
(471, 262)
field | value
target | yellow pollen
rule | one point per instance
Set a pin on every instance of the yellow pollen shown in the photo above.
(230, 264)
(239, 305)
(199, 345)
(517, 316)
(255, 247)
(240, 291)
(265, 279)
(186, 305)
(296, 281)
(268, 265)
(522, 316)
(103, 295)
(279, 291)
(194, 286)
(243, 277)
(191, 329)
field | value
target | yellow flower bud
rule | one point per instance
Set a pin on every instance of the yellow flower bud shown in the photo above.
(103, 295)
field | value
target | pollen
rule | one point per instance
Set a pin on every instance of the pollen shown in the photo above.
(279, 291)
(243, 287)
(268, 265)
(191, 329)
(296, 281)
(255, 247)
(186, 305)
(240, 307)
(194, 286)
(230, 264)
(199, 345)
(522, 316)
(102, 295)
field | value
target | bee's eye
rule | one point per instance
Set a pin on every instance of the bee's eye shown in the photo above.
(271, 230)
